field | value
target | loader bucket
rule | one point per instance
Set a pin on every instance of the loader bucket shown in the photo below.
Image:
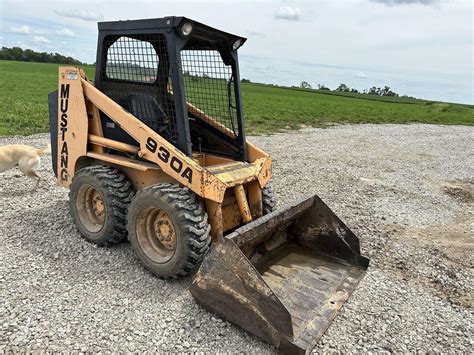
(284, 276)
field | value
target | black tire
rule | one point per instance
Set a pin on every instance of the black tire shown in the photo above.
(269, 199)
(181, 246)
(110, 189)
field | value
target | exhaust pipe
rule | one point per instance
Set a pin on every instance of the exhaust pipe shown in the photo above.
(284, 276)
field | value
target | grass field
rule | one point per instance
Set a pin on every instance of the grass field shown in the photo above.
(24, 88)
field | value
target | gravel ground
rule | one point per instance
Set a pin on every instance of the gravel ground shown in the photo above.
(405, 190)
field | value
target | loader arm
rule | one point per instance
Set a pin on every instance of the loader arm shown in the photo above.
(209, 184)
(158, 150)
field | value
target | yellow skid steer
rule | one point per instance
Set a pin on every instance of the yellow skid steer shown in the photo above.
(154, 151)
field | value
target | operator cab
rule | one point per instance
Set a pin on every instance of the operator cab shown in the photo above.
(179, 77)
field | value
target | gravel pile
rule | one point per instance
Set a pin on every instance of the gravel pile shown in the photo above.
(407, 191)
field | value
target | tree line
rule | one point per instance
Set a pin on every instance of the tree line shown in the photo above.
(385, 91)
(29, 55)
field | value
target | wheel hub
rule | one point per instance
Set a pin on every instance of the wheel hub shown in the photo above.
(156, 234)
(98, 205)
(91, 208)
(164, 231)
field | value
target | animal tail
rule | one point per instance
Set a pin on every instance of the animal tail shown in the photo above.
(44, 151)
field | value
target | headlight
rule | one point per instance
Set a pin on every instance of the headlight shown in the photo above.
(186, 28)
(237, 44)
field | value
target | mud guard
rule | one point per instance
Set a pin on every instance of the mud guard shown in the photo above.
(284, 276)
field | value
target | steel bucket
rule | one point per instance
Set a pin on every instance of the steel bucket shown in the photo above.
(284, 276)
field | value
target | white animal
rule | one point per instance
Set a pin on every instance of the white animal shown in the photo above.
(27, 159)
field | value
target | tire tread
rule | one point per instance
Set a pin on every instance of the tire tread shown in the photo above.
(269, 199)
(119, 192)
(192, 220)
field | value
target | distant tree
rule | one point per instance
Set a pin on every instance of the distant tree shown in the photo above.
(354, 90)
(30, 56)
(16, 53)
(43, 57)
(247, 81)
(322, 87)
(305, 85)
(373, 90)
(386, 91)
(5, 54)
(343, 88)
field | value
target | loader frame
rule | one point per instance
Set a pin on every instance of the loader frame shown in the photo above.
(80, 142)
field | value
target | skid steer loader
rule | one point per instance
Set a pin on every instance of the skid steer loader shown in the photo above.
(154, 150)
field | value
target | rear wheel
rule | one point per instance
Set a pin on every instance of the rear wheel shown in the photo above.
(168, 229)
(98, 202)
(269, 199)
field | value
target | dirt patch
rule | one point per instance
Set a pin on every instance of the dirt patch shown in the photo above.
(448, 266)
(460, 190)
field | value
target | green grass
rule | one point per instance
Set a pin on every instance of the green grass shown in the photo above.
(24, 88)
(285, 108)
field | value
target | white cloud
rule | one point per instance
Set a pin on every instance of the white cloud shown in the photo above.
(85, 15)
(65, 32)
(362, 75)
(40, 39)
(24, 30)
(288, 13)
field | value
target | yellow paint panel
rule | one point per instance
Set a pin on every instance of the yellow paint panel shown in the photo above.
(72, 123)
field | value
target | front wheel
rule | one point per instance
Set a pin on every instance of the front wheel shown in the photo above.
(98, 202)
(168, 230)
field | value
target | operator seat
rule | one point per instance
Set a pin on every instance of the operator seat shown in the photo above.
(148, 109)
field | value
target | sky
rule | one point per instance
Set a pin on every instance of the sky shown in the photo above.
(421, 48)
